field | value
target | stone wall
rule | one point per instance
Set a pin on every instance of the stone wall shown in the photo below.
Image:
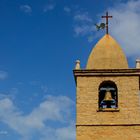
(108, 133)
(88, 113)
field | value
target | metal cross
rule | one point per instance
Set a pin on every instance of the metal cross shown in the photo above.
(107, 17)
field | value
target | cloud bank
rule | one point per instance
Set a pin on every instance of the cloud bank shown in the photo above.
(26, 9)
(84, 25)
(3, 75)
(54, 110)
(49, 7)
(67, 9)
(124, 26)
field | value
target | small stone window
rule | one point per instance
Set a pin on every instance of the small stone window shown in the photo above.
(108, 95)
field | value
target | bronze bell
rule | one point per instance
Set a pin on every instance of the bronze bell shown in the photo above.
(108, 96)
(108, 101)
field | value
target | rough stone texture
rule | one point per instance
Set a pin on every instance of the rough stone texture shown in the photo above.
(107, 62)
(107, 54)
(90, 123)
(128, 101)
(108, 133)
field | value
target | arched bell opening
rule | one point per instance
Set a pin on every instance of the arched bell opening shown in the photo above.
(108, 95)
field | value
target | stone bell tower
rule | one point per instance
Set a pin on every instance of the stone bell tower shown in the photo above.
(108, 97)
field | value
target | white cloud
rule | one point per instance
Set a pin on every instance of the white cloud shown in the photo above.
(90, 38)
(13, 91)
(35, 83)
(124, 26)
(82, 17)
(49, 7)
(44, 88)
(26, 9)
(3, 75)
(67, 9)
(53, 109)
(66, 133)
(83, 29)
(7, 95)
(84, 25)
(3, 132)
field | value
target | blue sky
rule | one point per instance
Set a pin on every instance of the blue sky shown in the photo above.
(39, 44)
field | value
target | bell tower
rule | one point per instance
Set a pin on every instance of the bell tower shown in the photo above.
(108, 95)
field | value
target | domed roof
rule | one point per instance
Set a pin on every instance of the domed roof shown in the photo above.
(107, 54)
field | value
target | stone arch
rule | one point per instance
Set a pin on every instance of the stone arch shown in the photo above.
(108, 88)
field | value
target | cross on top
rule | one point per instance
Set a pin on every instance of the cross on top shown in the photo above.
(107, 17)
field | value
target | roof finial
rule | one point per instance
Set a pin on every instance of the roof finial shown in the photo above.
(107, 17)
(77, 67)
